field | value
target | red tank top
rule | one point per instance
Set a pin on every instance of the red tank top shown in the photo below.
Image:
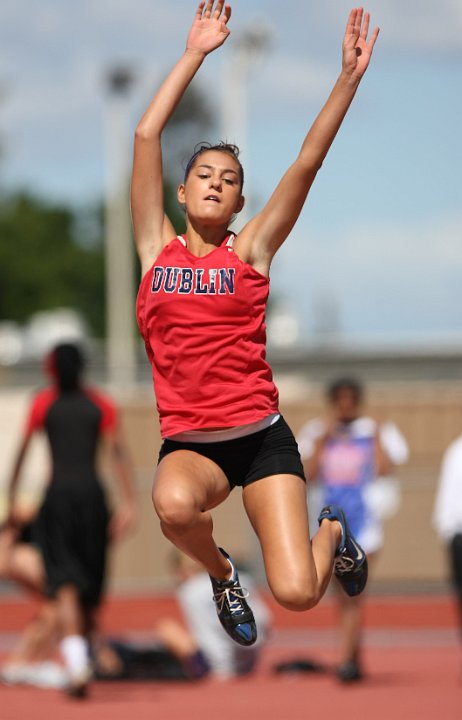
(203, 324)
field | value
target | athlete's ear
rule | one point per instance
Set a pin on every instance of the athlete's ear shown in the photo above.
(240, 204)
(180, 194)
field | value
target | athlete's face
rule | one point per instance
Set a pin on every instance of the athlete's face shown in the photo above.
(212, 190)
(346, 405)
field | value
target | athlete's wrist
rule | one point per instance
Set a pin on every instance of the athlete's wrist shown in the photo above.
(195, 52)
(350, 80)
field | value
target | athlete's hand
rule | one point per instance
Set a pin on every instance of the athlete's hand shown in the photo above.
(123, 521)
(17, 517)
(209, 29)
(357, 49)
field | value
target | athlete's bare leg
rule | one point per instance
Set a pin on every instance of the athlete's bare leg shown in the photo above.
(176, 638)
(26, 568)
(7, 541)
(186, 486)
(69, 611)
(298, 571)
(20, 562)
(350, 621)
(350, 626)
(38, 639)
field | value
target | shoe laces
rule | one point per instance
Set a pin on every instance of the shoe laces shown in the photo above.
(344, 564)
(232, 596)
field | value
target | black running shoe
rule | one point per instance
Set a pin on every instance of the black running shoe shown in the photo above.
(350, 564)
(349, 671)
(233, 612)
(78, 685)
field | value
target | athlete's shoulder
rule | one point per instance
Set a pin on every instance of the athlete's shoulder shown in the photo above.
(45, 396)
(454, 450)
(105, 404)
(99, 396)
(42, 401)
(173, 245)
(364, 426)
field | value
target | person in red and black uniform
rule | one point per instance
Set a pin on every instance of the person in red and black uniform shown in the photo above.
(73, 525)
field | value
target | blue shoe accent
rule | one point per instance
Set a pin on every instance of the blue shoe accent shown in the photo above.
(233, 611)
(350, 564)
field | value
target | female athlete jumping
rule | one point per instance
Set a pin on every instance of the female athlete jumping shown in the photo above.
(201, 311)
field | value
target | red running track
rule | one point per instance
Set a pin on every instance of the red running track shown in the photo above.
(413, 659)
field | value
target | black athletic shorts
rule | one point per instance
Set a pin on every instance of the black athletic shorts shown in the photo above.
(272, 451)
(71, 532)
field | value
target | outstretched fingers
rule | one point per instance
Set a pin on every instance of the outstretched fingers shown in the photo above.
(226, 14)
(373, 38)
(365, 27)
(354, 22)
(199, 10)
(365, 32)
(208, 9)
(358, 28)
(205, 10)
(210, 27)
(220, 14)
(222, 11)
(218, 9)
(358, 22)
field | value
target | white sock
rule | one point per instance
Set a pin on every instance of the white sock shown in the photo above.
(74, 649)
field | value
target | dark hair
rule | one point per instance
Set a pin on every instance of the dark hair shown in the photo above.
(346, 383)
(67, 363)
(224, 147)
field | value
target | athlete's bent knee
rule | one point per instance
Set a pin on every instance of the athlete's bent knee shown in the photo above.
(175, 509)
(296, 596)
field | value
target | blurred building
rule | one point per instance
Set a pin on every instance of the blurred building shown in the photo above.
(421, 391)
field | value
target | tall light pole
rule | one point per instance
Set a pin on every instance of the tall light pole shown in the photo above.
(247, 50)
(119, 258)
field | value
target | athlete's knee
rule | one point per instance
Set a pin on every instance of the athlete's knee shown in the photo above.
(4, 568)
(295, 594)
(176, 508)
(6, 550)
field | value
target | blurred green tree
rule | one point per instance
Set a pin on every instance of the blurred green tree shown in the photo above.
(52, 255)
(42, 266)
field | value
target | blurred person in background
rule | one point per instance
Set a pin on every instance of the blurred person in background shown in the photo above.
(447, 514)
(201, 311)
(188, 649)
(73, 525)
(32, 659)
(20, 560)
(349, 457)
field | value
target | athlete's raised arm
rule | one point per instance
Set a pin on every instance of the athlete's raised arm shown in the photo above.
(263, 235)
(209, 30)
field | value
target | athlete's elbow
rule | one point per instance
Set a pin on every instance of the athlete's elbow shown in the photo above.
(145, 132)
(310, 166)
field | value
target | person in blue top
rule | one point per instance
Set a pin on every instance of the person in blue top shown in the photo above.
(345, 456)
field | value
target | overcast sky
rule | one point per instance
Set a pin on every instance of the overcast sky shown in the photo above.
(379, 243)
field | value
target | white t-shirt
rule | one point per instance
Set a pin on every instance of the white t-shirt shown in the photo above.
(347, 475)
(447, 514)
(225, 657)
(392, 440)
